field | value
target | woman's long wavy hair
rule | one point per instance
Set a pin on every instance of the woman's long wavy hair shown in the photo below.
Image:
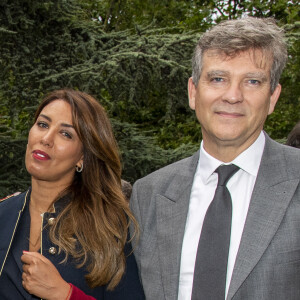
(93, 226)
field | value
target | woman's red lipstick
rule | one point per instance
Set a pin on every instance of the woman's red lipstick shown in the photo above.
(40, 155)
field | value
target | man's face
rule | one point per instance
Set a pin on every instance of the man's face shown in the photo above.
(232, 100)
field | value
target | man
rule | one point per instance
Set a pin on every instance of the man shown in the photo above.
(235, 85)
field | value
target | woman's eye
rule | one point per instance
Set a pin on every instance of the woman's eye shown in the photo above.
(42, 124)
(66, 134)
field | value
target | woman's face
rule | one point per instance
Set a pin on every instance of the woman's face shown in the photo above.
(54, 149)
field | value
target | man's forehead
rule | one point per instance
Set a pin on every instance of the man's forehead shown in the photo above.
(260, 58)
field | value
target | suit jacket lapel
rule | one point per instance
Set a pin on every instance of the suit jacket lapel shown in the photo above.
(270, 198)
(171, 213)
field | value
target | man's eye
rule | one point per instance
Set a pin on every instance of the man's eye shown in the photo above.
(254, 81)
(217, 79)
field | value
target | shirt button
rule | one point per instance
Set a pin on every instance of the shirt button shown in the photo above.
(52, 250)
(51, 221)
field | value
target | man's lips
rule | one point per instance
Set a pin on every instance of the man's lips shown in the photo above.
(229, 114)
(40, 155)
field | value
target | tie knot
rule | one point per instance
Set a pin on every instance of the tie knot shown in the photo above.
(225, 172)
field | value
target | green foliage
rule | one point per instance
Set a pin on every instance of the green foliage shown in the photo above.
(118, 15)
(134, 57)
(40, 39)
(286, 114)
(13, 175)
(136, 71)
(140, 154)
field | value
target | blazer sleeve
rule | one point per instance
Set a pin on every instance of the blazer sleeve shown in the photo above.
(78, 294)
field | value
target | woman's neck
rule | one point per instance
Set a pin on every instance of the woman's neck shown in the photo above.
(43, 194)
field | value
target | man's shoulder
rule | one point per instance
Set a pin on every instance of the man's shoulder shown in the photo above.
(286, 156)
(289, 151)
(185, 167)
(292, 159)
(292, 152)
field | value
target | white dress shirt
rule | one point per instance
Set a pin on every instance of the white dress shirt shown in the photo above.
(205, 182)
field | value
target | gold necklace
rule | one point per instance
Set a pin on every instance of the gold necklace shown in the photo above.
(33, 211)
(34, 244)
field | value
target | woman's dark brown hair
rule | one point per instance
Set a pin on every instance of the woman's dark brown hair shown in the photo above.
(293, 138)
(98, 216)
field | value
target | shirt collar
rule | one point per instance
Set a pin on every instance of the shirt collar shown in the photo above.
(249, 160)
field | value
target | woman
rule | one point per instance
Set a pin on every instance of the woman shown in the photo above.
(67, 235)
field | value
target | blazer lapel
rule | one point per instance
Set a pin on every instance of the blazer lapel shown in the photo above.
(21, 238)
(271, 196)
(10, 216)
(171, 213)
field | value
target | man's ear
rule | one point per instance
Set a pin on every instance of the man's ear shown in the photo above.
(274, 98)
(192, 93)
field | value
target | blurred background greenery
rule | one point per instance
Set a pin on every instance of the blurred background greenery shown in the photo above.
(135, 58)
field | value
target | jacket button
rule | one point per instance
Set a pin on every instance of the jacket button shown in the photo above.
(51, 221)
(52, 250)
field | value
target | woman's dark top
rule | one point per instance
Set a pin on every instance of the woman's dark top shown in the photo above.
(14, 238)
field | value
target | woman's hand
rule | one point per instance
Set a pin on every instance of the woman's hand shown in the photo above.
(41, 278)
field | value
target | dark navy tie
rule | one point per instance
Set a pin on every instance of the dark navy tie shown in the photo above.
(212, 254)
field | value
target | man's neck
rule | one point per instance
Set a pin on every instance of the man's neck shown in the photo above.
(226, 151)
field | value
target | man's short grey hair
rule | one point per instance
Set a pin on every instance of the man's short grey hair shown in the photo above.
(234, 36)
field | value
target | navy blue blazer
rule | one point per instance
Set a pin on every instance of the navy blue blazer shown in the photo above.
(11, 211)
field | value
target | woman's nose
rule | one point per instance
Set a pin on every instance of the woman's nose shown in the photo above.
(47, 139)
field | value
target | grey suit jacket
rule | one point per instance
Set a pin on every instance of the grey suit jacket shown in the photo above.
(268, 261)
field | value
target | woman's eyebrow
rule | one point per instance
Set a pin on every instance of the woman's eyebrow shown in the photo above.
(46, 117)
(50, 120)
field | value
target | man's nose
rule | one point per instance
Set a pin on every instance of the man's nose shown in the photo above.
(233, 93)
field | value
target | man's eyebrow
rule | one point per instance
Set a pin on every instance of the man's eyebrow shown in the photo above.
(50, 120)
(259, 75)
(216, 73)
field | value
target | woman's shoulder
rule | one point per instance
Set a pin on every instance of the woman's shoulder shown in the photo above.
(16, 200)
(10, 196)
